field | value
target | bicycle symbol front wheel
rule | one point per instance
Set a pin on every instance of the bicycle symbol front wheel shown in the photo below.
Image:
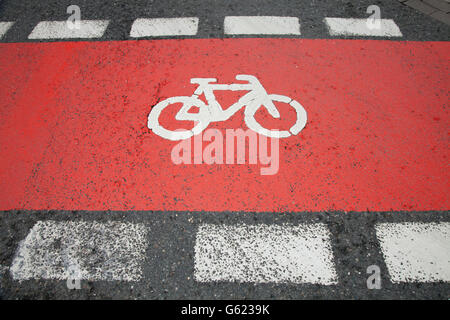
(294, 130)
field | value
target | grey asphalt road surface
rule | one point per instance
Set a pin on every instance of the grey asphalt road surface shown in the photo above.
(168, 267)
(415, 26)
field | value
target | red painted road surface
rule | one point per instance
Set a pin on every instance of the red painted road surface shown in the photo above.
(73, 131)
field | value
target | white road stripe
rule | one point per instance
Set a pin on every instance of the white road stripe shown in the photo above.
(4, 27)
(160, 27)
(60, 30)
(264, 253)
(99, 251)
(261, 25)
(359, 27)
(416, 252)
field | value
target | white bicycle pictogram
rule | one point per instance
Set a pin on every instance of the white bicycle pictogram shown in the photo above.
(256, 98)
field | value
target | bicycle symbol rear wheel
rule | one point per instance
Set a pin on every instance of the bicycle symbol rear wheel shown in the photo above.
(180, 134)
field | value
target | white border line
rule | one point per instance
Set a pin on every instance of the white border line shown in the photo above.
(264, 254)
(416, 252)
(4, 27)
(60, 30)
(99, 251)
(359, 27)
(161, 27)
(246, 25)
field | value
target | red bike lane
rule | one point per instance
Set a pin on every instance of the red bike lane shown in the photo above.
(74, 130)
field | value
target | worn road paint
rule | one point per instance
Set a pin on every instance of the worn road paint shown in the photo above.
(99, 251)
(60, 30)
(256, 98)
(264, 253)
(4, 27)
(359, 27)
(75, 136)
(160, 27)
(261, 25)
(416, 252)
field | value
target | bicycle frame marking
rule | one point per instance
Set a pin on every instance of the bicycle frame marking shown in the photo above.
(213, 112)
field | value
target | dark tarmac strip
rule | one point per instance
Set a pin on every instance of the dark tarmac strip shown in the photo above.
(27, 14)
(170, 264)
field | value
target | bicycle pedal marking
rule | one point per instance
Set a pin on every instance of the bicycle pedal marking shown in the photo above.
(212, 111)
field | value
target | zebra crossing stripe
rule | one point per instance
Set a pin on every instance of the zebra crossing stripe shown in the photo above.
(261, 25)
(416, 252)
(264, 253)
(160, 27)
(4, 27)
(61, 30)
(359, 27)
(242, 253)
(98, 251)
(188, 26)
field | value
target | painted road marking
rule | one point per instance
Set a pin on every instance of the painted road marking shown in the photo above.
(100, 251)
(264, 253)
(60, 30)
(286, 253)
(358, 27)
(4, 27)
(160, 27)
(416, 252)
(261, 25)
(256, 98)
